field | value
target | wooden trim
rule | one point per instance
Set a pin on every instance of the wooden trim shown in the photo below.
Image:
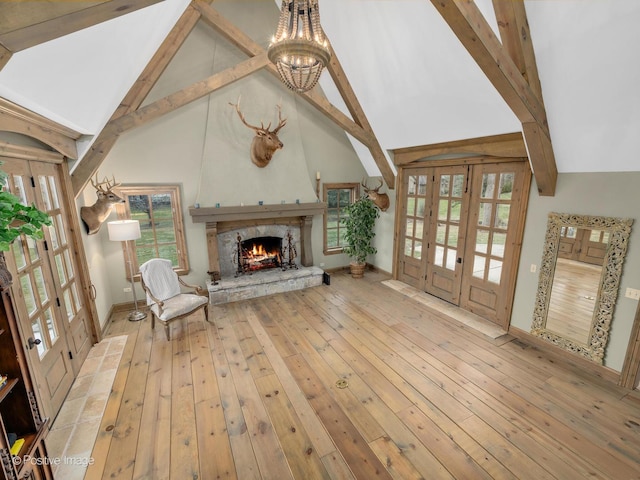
(355, 194)
(14, 118)
(84, 280)
(134, 98)
(29, 153)
(631, 368)
(255, 212)
(69, 22)
(574, 360)
(508, 145)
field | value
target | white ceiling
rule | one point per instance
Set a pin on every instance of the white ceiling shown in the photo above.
(415, 81)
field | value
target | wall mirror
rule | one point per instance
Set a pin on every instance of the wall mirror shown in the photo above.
(579, 281)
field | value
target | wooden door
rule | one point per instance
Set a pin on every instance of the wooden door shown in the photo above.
(446, 233)
(412, 259)
(46, 290)
(461, 229)
(494, 235)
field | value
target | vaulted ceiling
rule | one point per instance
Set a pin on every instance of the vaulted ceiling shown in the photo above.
(405, 73)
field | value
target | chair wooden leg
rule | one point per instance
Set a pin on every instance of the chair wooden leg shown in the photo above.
(153, 320)
(167, 332)
(206, 312)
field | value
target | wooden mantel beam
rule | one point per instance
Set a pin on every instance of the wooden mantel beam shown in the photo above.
(472, 29)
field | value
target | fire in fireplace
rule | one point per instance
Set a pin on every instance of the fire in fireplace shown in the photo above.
(259, 253)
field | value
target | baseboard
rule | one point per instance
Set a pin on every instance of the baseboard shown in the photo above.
(556, 352)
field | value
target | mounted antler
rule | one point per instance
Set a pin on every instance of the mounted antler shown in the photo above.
(96, 214)
(381, 200)
(266, 141)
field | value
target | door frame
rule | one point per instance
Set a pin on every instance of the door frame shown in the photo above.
(26, 153)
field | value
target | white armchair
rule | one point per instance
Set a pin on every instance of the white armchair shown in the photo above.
(167, 302)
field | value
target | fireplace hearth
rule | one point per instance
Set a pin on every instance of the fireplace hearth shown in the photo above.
(290, 224)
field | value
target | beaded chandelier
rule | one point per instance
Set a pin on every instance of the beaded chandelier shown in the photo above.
(299, 49)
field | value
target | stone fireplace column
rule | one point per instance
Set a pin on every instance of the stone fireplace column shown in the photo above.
(306, 255)
(212, 246)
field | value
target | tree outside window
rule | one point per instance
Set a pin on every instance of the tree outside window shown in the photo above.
(158, 210)
(337, 196)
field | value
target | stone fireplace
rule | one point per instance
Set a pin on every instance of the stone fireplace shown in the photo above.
(286, 225)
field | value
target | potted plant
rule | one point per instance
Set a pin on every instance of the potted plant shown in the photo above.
(16, 219)
(359, 223)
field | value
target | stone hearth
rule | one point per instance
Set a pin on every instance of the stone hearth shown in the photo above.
(261, 283)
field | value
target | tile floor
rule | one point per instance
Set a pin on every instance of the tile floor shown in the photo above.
(75, 429)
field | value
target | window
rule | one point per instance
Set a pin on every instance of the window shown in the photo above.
(337, 196)
(157, 208)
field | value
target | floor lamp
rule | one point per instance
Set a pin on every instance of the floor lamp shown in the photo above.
(124, 231)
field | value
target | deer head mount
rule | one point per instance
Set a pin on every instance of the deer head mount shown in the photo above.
(381, 200)
(96, 214)
(266, 142)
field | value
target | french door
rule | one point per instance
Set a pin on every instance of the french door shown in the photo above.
(52, 316)
(461, 230)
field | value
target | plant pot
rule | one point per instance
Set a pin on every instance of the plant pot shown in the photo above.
(357, 269)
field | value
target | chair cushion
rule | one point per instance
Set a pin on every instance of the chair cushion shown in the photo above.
(160, 278)
(179, 305)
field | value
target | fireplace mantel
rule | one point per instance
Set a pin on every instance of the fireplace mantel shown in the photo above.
(255, 212)
(220, 219)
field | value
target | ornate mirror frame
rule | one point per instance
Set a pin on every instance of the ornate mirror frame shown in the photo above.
(619, 230)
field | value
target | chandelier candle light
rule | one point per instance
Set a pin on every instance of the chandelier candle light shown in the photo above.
(299, 49)
(125, 231)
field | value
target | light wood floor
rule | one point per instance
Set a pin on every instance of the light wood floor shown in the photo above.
(256, 394)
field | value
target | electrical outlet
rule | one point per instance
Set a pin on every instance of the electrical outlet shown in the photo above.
(534, 267)
(632, 293)
(126, 289)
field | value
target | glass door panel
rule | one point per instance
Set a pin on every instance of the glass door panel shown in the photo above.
(447, 230)
(412, 255)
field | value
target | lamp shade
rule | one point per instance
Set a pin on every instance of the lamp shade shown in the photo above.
(123, 230)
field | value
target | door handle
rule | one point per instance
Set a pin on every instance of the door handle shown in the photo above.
(32, 343)
(459, 260)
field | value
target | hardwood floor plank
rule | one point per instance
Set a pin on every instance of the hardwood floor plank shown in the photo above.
(214, 450)
(153, 453)
(253, 395)
(316, 431)
(301, 456)
(359, 456)
(266, 447)
(184, 438)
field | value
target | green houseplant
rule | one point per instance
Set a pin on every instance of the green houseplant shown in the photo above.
(17, 219)
(359, 223)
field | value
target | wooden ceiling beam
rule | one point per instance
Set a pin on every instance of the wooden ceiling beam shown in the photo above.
(18, 32)
(516, 39)
(348, 95)
(474, 32)
(358, 127)
(5, 56)
(134, 98)
(187, 95)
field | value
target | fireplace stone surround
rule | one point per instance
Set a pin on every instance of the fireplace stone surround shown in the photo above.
(223, 224)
